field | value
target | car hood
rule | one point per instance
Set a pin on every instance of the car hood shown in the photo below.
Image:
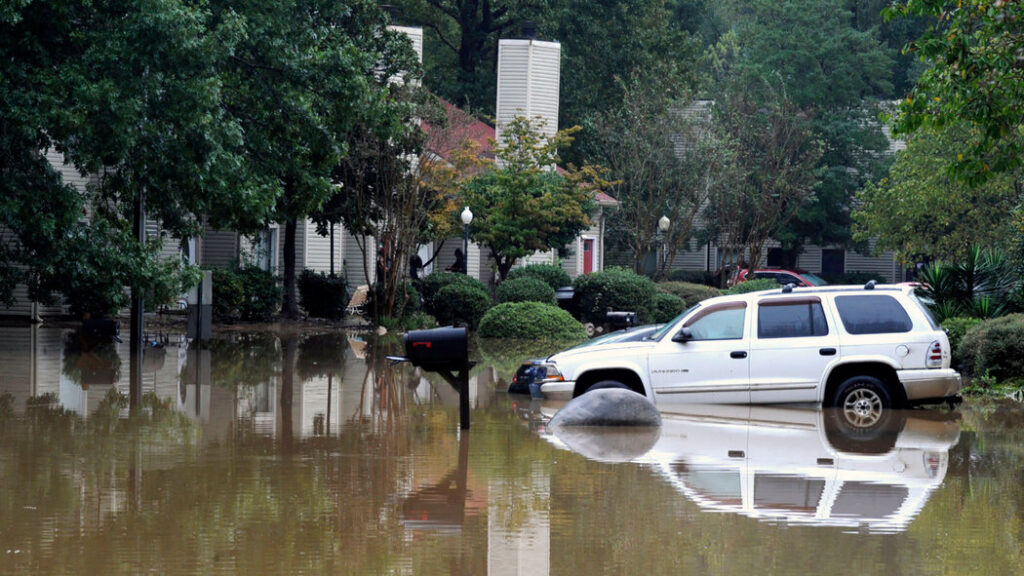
(574, 354)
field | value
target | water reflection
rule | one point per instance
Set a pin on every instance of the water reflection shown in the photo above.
(788, 465)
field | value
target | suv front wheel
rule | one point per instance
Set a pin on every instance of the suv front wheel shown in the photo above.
(862, 400)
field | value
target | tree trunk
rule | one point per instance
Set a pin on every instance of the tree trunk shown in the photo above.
(290, 309)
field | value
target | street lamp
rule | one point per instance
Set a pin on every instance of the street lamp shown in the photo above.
(467, 218)
(663, 224)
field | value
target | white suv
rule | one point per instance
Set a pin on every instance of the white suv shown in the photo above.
(861, 348)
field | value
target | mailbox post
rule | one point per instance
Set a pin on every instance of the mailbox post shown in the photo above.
(445, 351)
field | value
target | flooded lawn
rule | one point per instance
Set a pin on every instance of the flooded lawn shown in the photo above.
(266, 454)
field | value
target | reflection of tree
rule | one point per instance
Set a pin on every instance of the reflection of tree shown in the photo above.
(322, 355)
(244, 359)
(90, 360)
(506, 355)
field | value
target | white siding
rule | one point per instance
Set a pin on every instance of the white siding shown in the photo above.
(883, 264)
(528, 82)
(416, 35)
(318, 248)
(352, 259)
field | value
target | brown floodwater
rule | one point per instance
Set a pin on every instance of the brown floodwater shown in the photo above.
(311, 454)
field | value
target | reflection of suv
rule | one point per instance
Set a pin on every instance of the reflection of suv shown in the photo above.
(862, 348)
(781, 276)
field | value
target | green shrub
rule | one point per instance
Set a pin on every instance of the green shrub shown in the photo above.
(955, 329)
(688, 292)
(552, 275)
(706, 277)
(667, 306)
(262, 295)
(248, 293)
(615, 288)
(322, 296)
(433, 283)
(461, 304)
(526, 289)
(755, 285)
(995, 347)
(530, 320)
(407, 301)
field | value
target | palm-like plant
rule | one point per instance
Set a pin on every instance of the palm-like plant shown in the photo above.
(984, 285)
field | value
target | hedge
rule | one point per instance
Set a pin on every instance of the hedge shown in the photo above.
(689, 292)
(434, 282)
(249, 293)
(552, 275)
(322, 296)
(526, 289)
(461, 304)
(615, 288)
(956, 328)
(708, 278)
(532, 320)
(995, 348)
(667, 306)
(755, 285)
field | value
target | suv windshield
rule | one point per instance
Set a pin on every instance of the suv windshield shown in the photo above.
(816, 280)
(668, 325)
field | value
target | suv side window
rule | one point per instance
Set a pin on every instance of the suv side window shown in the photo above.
(719, 323)
(875, 314)
(791, 319)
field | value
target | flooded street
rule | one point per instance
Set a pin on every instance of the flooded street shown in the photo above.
(311, 454)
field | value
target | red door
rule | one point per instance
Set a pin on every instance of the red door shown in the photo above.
(588, 256)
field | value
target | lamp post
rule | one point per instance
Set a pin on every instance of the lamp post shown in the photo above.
(467, 218)
(663, 224)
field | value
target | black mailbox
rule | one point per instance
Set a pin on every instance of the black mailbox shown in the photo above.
(566, 297)
(437, 349)
(618, 320)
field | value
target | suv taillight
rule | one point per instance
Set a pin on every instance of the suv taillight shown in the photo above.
(934, 355)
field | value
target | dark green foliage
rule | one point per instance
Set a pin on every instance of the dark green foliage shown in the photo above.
(706, 277)
(983, 285)
(322, 295)
(407, 301)
(553, 275)
(956, 328)
(995, 348)
(322, 355)
(689, 293)
(755, 285)
(526, 289)
(667, 306)
(615, 288)
(434, 282)
(530, 320)
(461, 304)
(248, 293)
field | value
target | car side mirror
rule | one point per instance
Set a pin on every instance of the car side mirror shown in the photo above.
(683, 336)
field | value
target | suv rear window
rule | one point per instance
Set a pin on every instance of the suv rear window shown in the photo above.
(875, 314)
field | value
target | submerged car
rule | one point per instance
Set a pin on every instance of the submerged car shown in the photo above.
(533, 371)
(861, 348)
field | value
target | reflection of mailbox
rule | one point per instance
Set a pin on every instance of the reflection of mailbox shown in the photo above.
(617, 320)
(437, 349)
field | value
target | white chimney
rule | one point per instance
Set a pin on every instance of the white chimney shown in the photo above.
(414, 34)
(528, 78)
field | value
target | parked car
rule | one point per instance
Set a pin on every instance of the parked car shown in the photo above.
(861, 348)
(533, 371)
(783, 277)
(727, 459)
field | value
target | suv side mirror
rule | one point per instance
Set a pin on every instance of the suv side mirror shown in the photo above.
(683, 336)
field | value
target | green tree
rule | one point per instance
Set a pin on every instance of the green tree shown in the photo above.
(972, 48)
(303, 76)
(521, 204)
(919, 210)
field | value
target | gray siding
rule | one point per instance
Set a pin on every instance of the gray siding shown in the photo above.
(219, 248)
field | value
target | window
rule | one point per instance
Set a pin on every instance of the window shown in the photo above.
(866, 500)
(794, 493)
(875, 314)
(791, 319)
(719, 323)
(833, 261)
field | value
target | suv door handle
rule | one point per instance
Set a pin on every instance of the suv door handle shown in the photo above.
(738, 354)
(827, 351)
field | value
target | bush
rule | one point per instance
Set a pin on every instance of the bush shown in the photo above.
(532, 320)
(755, 285)
(667, 306)
(708, 278)
(552, 275)
(615, 288)
(322, 296)
(407, 301)
(956, 328)
(526, 289)
(995, 348)
(433, 283)
(688, 292)
(248, 293)
(461, 304)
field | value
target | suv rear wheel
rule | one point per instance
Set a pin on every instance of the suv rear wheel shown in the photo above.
(863, 400)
